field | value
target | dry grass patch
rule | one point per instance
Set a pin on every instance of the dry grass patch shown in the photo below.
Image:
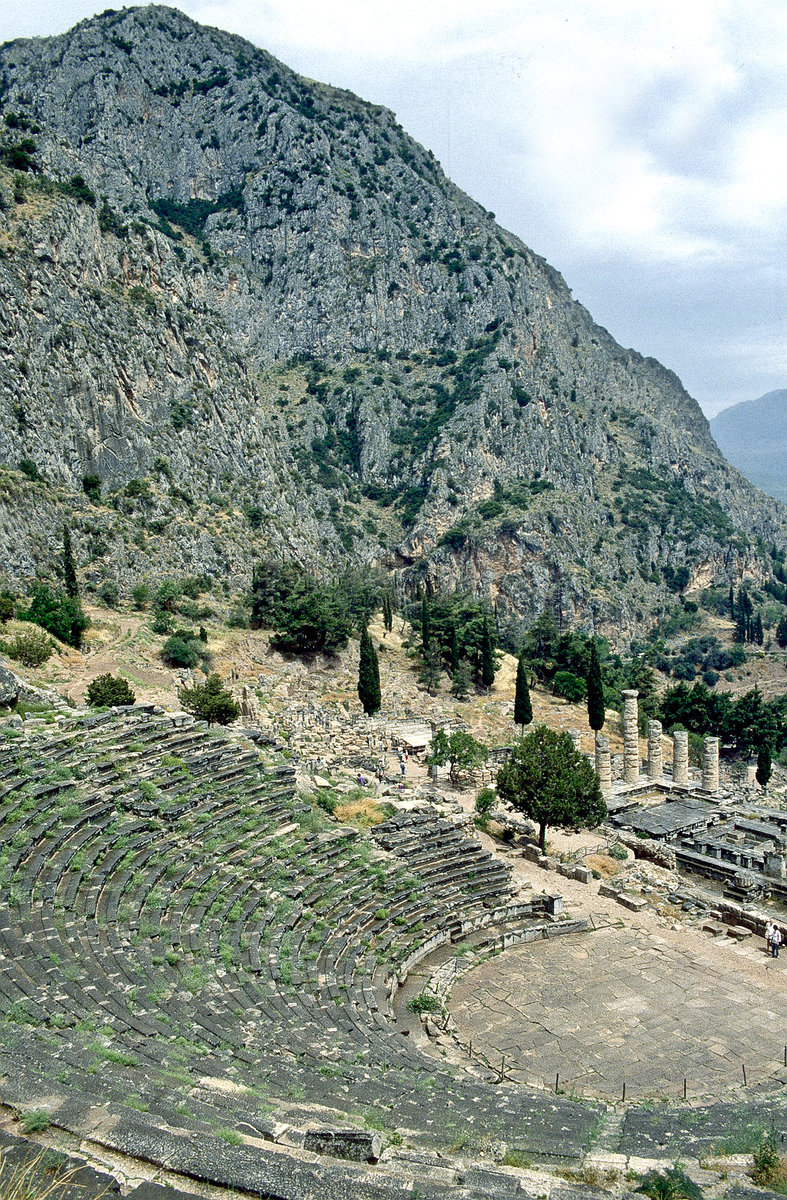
(604, 864)
(361, 811)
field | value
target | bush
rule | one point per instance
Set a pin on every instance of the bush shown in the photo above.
(31, 648)
(140, 594)
(58, 613)
(210, 702)
(109, 593)
(108, 690)
(181, 650)
(569, 686)
(424, 1003)
(6, 609)
(484, 801)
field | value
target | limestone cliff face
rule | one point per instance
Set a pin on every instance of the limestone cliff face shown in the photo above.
(267, 321)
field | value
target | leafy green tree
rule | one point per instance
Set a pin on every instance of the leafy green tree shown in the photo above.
(6, 609)
(69, 566)
(308, 616)
(368, 675)
(552, 783)
(140, 594)
(108, 690)
(595, 689)
(210, 701)
(58, 613)
(523, 708)
(487, 657)
(167, 595)
(459, 749)
(764, 765)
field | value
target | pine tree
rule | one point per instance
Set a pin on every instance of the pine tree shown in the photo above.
(595, 686)
(487, 656)
(523, 708)
(69, 567)
(368, 675)
(763, 772)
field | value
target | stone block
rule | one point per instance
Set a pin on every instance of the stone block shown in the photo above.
(739, 932)
(583, 874)
(608, 889)
(634, 903)
(360, 1145)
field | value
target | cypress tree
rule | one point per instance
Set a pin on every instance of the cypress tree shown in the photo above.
(368, 675)
(523, 709)
(387, 613)
(487, 656)
(69, 567)
(732, 603)
(595, 686)
(763, 772)
(757, 634)
(739, 633)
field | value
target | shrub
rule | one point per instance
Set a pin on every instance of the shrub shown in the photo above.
(28, 468)
(210, 702)
(182, 651)
(31, 648)
(109, 593)
(140, 594)
(569, 686)
(6, 609)
(35, 1121)
(484, 801)
(424, 1003)
(109, 690)
(91, 486)
(58, 613)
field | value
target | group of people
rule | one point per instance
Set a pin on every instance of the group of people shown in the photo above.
(773, 939)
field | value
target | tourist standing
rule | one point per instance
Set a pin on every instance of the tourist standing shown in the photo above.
(776, 941)
(768, 935)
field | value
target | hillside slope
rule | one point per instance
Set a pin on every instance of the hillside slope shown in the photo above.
(262, 317)
(753, 436)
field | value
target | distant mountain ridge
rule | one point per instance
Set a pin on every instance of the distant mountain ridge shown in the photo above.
(752, 435)
(245, 314)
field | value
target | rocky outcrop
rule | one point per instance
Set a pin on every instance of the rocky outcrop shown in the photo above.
(267, 322)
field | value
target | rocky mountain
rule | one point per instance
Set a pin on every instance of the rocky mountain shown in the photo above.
(245, 313)
(753, 436)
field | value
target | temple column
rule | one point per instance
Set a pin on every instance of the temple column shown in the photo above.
(680, 756)
(604, 764)
(655, 761)
(710, 764)
(630, 736)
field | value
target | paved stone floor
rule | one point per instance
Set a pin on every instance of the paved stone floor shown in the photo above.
(627, 1005)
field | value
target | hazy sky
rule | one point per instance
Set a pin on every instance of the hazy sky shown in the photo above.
(641, 148)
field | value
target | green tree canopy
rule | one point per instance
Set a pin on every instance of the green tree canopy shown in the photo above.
(58, 613)
(109, 690)
(552, 783)
(459, 749)
(210, 701)
(368, 675)
(523, 707)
